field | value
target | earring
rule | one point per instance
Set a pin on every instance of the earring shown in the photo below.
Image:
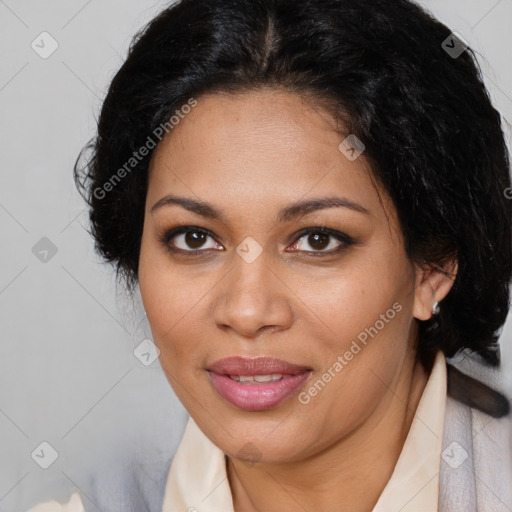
(435, 308)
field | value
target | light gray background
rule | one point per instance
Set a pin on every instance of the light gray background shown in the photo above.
(69, 376)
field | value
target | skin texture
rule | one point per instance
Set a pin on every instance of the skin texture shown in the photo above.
(250, 155)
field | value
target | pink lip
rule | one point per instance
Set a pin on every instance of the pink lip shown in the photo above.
(255, 366)
(256, 396)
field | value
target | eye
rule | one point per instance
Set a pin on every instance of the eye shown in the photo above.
(321, 240)
(195, 240)
(189, 239)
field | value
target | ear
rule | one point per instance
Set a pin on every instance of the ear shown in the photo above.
(432, 285)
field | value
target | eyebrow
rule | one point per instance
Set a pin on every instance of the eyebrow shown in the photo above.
(288, 213)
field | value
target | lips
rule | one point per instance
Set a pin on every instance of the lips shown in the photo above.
(256, 384)
(255, 366)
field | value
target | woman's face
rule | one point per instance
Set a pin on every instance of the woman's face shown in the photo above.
(247, 174)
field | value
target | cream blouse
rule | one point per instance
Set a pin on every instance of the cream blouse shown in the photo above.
(197, 479)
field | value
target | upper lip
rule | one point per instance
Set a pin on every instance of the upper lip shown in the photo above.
(255, 366)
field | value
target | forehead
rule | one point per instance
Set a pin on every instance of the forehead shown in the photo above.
(265, 146)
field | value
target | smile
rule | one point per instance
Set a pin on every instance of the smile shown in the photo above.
(256, 384)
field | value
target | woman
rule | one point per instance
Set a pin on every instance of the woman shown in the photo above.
(311, 197)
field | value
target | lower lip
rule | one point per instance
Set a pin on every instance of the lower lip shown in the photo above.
(256, 397)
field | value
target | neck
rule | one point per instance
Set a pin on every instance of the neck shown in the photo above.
(349, 475)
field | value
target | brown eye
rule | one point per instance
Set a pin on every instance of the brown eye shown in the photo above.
(189, 239)
(321, 240)
(195, 239)
(318, 241)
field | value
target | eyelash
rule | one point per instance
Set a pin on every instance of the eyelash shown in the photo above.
(345, 240)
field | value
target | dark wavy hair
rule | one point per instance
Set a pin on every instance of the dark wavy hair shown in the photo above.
(433, 139)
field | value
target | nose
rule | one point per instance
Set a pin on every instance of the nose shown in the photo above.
(252, 299)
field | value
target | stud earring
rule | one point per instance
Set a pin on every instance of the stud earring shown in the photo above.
(435, 308)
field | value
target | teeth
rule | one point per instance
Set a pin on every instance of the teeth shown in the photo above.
(268, 378)
(257, 378)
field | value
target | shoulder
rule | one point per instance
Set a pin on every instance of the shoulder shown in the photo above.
(476, 465)
(131, 479)
(137, 487)
(75, 504)
(472, 382)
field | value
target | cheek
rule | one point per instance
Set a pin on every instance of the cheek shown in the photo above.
(173, 299)
(367, 311)
(351, 299)
(362, 318)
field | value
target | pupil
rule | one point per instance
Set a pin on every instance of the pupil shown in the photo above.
(318, 240)
(195, 239)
